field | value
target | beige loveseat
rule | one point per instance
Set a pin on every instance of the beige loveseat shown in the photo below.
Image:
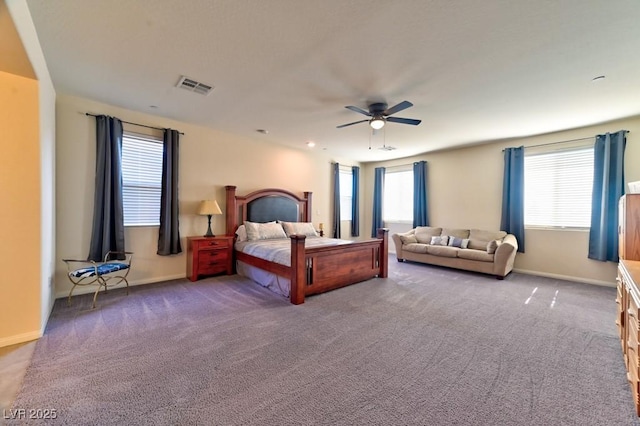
(488, 252)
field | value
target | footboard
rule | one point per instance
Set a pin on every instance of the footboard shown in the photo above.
(320, 269)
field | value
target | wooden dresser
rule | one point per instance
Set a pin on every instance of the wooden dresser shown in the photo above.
(628, 295)
(209, 256)
(628, 302)
(629, 227)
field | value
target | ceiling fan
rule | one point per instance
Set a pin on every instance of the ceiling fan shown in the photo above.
(379, 114)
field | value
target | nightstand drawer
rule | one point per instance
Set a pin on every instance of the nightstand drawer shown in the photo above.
(212, 268)
(210, 257)
(208, 244)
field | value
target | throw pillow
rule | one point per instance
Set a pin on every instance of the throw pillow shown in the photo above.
(492, 246)
(440, 241)
(241, 233)
(299, 228)
(408, 239)
(264, 231)
(458, 242)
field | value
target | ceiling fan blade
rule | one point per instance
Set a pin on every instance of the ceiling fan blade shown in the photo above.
(404, 120)
(360, 110)
(350, 124)
(397, 108)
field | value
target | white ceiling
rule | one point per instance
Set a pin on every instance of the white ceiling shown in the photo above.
(474, 70)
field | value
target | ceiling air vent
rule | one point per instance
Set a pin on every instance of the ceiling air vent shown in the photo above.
(387, 148)
(194, 86)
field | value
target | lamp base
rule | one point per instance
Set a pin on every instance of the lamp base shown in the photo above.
(209, 233)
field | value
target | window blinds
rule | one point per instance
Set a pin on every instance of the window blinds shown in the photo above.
(558, 187)
(142, 179)
(398, 196)
(346, 194)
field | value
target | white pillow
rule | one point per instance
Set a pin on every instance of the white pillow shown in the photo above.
(241, 233)
(299, 228)
(264, 231)
(440, 241)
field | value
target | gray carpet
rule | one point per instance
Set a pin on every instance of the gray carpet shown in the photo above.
(427, 346)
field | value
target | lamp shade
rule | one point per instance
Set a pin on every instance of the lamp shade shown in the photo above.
(209, 207)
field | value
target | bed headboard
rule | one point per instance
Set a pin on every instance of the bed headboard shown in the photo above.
(265, 205)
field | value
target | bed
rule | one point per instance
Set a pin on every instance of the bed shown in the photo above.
(313, 264)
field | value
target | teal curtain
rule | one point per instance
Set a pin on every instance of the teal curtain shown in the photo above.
(169, 233)
(608, 187)
(107, 232)
(420, 211)
(336, 200)
(513, 194)
(355, 205)
(378, 188)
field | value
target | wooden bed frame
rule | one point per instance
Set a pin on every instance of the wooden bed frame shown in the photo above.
(313, 270)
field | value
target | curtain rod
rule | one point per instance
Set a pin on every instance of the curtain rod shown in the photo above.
(135, 124)
(342, 164)
(555, 143)
(567, 141)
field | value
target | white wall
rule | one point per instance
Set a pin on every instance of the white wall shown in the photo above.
(209, 160)
(465, 191)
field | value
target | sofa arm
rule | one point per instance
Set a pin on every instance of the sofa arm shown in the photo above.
(398, 243)
(505, 256)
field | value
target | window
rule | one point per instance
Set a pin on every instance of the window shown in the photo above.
(397, 202)
(558, 188)
(141, 179)
(346, 194)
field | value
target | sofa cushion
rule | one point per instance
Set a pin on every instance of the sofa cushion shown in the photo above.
(454, 232)
(408, 238)
(439, 241)
(424, 233)
(472, 254)
(458, 242)
(493, 245)
(444, 251)
(415, 248)
(478, 239)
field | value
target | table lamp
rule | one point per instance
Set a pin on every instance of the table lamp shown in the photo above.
(208, 208)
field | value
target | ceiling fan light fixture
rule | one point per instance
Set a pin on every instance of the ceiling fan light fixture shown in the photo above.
(376, 123)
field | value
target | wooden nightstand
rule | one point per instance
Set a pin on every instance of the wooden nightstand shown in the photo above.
(209, 256)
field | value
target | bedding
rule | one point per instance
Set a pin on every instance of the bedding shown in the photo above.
(279, 250)
(275, 283)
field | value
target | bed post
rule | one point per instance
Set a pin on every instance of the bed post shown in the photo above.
(298, 269)
(231, 210)
(383, 233)
(308, 211)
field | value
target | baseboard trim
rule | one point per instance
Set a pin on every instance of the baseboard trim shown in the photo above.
(92, 289)
(20, 338)
(566, 277)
